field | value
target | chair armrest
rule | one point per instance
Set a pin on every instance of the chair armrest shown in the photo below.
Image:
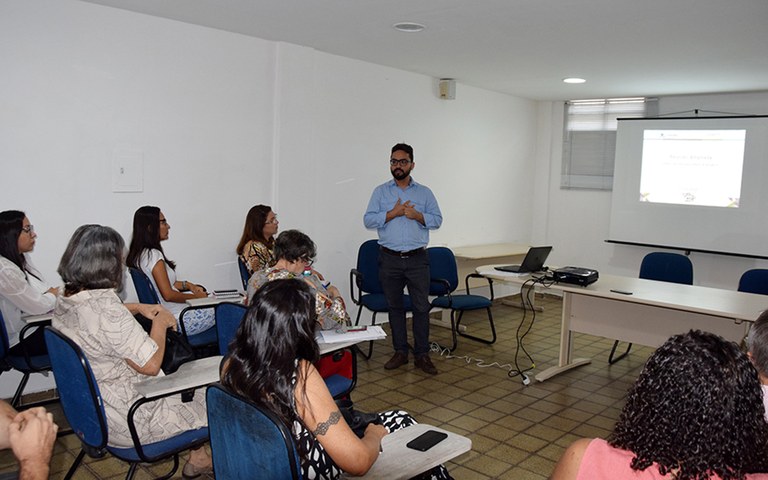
(477, 275)
(30, 328)
(355, 280)
(189, 377)
(444, 283)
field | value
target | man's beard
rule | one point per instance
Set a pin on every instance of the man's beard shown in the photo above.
(399, 174)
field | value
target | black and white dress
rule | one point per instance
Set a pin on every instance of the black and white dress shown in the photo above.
(318, 464)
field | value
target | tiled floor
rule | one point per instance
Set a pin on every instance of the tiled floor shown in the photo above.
(517, 432)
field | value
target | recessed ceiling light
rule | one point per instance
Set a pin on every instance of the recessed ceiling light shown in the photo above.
(408, 27)
(573, 80)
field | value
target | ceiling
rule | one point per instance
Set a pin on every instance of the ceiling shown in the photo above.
(520, 47)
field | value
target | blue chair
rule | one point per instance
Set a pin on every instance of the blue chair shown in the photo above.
(754, 281)
(662, 267)
(248, 441)
(84, 410)
(205, 343)
(244, 274)
(444, 281)
(365, 287)
(26, 364)
(228, 319)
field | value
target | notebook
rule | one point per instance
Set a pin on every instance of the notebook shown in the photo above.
(533, 261)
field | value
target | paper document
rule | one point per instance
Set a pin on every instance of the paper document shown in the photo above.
(371, 332)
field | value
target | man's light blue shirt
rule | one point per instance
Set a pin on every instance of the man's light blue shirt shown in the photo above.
(402, 234)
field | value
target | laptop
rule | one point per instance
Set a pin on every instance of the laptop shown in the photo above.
(533, 261)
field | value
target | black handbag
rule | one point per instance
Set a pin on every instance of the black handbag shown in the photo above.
(178, 351)
(357, 420)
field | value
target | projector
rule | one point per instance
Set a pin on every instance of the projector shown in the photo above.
(576, 275)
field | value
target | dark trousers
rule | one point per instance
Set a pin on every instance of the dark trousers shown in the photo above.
(395, 273)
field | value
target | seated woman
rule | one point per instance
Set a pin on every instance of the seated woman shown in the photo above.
(145, 253)
(120, 352)
(695, 412)
(258, 239)
(22, 288)
(295, 253)
(280, 376)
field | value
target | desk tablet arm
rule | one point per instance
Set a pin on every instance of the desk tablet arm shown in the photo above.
(477, 275)
(185, 392)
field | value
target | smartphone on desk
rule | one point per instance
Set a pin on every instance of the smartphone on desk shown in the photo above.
(427, 440)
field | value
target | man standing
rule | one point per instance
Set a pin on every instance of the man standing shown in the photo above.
(404, 212)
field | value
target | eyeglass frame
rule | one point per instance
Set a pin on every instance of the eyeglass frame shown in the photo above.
(271, 222)
(401, 162)
(29, 229)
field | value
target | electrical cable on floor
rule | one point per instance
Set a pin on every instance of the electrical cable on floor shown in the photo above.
(512, 370)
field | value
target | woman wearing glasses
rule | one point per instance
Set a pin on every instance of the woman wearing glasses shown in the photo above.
(295, 253)
(22, 288)
(146, 254)
(258, 240)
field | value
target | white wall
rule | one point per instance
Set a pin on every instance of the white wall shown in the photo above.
(577, 221)
(226, 121)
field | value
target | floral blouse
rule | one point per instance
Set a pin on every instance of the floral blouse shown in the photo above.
(257, 256)
(331, 312)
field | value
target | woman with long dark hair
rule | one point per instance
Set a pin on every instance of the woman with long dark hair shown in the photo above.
(258, 238)
(120, 352)
(22, 288)
(271, 363)
(150, 227)
(695, 412)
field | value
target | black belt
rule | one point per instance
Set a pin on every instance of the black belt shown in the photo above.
(407, 254)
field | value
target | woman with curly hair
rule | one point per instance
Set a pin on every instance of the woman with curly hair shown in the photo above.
(695, 412)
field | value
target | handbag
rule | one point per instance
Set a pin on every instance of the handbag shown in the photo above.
(358, 421)
(178, 351)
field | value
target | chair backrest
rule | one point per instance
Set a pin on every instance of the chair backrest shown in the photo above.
(754, 281)
(667, 267)
(78, 392)
(144, 288)
(228, 319)
(368, 266)
(248, 441)
(244, 274)
(442, 265)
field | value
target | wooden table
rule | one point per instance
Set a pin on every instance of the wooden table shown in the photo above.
(649, 316)
(397, 461)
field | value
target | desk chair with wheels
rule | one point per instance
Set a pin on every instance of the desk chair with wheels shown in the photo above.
(365, 287)
(26, 364)
(663, 267)
(248, 441)
(445, 281)
(204, 343)
(84, 410)
(754, 281)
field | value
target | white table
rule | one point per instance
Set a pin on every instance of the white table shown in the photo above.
(213, 300)
(397, 461)
(204, 371)
(649, 316)
(196, 373)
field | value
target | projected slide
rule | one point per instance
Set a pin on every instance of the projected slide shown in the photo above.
(692, 167)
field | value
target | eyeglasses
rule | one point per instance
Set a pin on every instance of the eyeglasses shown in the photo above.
(274, 220)
(163, 221)
(402, 162)
(30, 229)
(308, 261)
